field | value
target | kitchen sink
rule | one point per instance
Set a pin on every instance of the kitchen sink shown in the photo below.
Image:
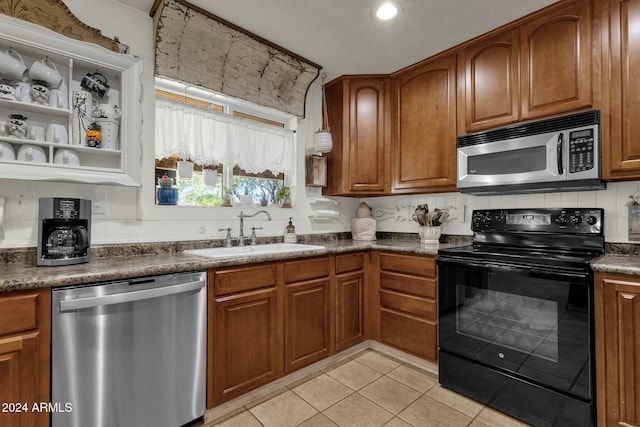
(245, 251)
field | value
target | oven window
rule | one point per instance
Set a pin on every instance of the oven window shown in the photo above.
(526, 324)
(509, 162)
(532, 325)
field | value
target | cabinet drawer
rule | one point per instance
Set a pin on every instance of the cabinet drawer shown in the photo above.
(409, 333)
(424, 287)
(306, 269)
(409, 304)
(400, 263)
(244, 279)
(349, 262)
(18, 313)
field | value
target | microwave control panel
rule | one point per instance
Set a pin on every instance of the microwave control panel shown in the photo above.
(581, 150)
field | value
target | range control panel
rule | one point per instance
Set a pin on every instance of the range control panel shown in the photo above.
(552, 220)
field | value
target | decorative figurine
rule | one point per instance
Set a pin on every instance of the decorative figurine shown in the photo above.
(18, 126)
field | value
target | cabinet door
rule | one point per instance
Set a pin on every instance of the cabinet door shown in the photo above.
(245, 343)
(424, 136)
(306, 323)
(556, 61)
(491, 86)
(367, 135)
(621, 349)
(621, 151)
(349, 310)
(358, 111)
(25, 356)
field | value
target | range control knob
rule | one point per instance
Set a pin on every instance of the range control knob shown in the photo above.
(562, 219)
(575, 220)
(591, 220)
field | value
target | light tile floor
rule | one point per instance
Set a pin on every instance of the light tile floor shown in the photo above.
(369, 389)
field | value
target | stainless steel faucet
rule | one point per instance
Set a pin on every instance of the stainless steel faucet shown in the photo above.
(242, 216)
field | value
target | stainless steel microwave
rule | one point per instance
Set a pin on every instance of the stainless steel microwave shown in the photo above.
(558, 154)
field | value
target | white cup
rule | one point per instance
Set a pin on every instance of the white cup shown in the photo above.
(36, 132)
(32, 153)
(12, 66)
(6, 151)
(57, 134)
(22, 92)
(47, 72)
(65, 156)
(58, 99)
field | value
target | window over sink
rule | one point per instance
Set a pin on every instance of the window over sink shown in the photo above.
(250, 150)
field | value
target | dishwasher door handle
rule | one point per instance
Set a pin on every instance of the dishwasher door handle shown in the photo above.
(80, 303)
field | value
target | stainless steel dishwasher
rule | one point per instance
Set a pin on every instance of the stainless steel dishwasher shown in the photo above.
(130, 353)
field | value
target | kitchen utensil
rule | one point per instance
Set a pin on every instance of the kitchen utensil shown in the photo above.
(96, 83)
(109, 129)
(47, 72)
(82, 107)
(66, 156)
(107, 111)
(6, 151)
(32, 153)
(57, 134)
(12, 66)
(36, 132)
(58, 99)
(23, 92)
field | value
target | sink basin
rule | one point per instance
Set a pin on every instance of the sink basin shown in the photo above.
(245, 251)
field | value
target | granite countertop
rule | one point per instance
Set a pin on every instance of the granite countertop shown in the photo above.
(618, 263)
(19, 276)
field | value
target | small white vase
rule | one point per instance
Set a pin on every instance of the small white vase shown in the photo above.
(210, 177)
(185, 169)
(429, 235)
(322, 142)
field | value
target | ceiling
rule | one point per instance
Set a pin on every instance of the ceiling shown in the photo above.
(344, 38)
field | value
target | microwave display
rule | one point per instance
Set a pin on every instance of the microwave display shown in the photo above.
(581, 150)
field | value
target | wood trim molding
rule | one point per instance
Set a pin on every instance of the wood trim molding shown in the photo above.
(54, 15)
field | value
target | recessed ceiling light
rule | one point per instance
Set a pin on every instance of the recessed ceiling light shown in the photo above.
(387, 11)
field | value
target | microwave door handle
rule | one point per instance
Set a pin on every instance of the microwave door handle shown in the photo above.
(559, 151)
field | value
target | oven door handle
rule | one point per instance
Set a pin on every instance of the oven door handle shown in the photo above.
(491, 265)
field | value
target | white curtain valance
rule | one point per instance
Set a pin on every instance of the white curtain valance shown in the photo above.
(209, 137)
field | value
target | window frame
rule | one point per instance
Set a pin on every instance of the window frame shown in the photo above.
(203, 98)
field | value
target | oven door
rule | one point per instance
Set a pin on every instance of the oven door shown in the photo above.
(531, 324)
(530, 159)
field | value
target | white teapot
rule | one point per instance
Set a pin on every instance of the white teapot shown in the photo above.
(107, 111)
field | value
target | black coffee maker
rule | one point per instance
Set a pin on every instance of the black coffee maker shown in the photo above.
(64, 235)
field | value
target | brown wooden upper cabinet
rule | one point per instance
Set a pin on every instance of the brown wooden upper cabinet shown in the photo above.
(621, 59)
(359, 119)
(540, 67)
(424, 126)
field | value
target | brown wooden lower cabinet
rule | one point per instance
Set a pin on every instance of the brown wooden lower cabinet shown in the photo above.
(243, 331)
(407, 302)
(617, 320)
(307, 306)
(306, 312)
(25, 337)
(350, 300)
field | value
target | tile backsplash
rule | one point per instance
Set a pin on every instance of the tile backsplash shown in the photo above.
(395, 212)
